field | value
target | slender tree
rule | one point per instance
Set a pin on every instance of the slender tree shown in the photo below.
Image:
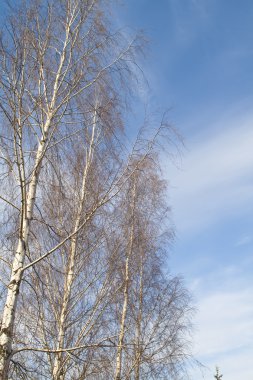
(85, 226)
(154, 312)
(50, 59)
(126, 276)
(218, 376)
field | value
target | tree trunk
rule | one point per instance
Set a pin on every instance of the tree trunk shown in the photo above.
(138, 348)
(122, 324)
(58, 370)
(9, 311)
(126, 290)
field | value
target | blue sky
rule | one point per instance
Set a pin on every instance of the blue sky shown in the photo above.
(199, 64)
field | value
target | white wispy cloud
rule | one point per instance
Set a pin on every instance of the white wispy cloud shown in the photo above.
(225, 321)
(216, 180)
(187, 18)
(215, 185)
(244, 240)
(224, 325)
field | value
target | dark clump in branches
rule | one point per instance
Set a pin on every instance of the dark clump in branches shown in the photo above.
(85, 227)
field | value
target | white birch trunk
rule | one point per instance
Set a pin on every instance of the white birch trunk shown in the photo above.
(58, 370)
(118, 369)
(122, 324)
(9, 311)
(138, 348)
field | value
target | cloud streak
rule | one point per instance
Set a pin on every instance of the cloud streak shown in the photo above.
(215, 187)
(216, 180)
(224, 326)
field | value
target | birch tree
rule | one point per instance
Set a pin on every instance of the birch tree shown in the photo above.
(50, 59)
(126, 276)
(160, 310)
(85, 225)
(153, 309)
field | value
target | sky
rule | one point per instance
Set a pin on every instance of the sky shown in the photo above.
(199, 66)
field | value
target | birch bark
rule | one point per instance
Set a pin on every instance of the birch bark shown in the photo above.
(27, 202)
(119, 355)
(58, 372)
(6, 334)
(138, 326)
